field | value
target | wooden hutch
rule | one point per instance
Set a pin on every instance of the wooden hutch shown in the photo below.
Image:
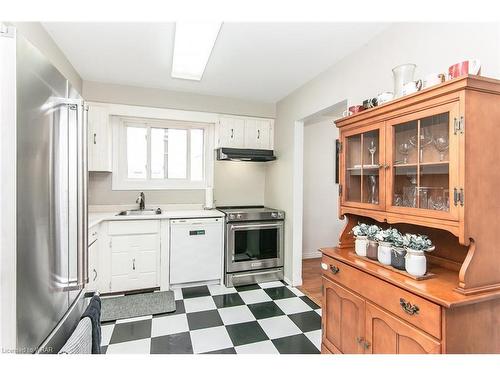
(435, 171)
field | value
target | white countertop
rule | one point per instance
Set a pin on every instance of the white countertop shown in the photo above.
(95, 218)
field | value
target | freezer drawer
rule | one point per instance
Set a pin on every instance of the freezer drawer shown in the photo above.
(196, 248)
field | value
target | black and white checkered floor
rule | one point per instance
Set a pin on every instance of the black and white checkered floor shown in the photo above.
(256, 319)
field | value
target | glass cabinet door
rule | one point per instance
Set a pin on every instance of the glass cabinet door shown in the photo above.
(424, 152)
(362, 168)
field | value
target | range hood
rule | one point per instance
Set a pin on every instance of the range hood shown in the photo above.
(245, 154)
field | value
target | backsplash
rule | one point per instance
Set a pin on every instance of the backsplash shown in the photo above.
(235, 183)
(99, 192)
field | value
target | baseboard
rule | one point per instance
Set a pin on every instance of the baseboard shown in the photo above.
(311, 254)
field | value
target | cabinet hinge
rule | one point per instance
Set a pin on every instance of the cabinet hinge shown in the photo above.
(458, 197)
(340, 146)
(458, 125)
(340, 190)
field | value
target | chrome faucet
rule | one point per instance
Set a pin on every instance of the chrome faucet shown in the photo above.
(141, 200)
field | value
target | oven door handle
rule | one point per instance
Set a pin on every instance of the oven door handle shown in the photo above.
(257, 226)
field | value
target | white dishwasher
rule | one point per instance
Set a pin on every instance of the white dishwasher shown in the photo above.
(196, 250)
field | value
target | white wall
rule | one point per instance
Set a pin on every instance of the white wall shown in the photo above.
(321, 225)
(150, 97)
(38, 36)
(366, 72)
(239, 183)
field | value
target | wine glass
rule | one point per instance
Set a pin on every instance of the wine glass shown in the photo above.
(372, 181)
(441, 144)
(425, 140)
(404, 149)
(372, 149)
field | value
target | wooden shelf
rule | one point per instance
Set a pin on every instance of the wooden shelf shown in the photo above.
(432, 163)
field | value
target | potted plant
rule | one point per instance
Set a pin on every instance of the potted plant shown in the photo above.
(398, 251)
(416, 247)
(372, 248)
(360, 231)
(386, 240)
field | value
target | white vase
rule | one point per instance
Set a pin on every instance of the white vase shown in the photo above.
(415, 262)
(384, 253)
(360, 245)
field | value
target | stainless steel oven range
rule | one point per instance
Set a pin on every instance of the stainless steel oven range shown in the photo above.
(253, 245)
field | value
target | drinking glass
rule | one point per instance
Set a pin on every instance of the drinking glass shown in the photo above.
(441, 144)
(425, 140)
(372, 182)
(404, 149)
(372, 149)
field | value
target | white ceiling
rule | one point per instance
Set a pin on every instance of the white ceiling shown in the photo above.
(255, 61)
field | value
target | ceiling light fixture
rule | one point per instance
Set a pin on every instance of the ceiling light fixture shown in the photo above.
(193, 45)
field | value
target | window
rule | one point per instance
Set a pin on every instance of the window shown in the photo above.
(154, 154)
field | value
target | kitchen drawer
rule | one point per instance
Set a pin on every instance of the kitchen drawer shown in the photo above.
(386, 295)
(141, 242)
(93, 234)
(133, 227)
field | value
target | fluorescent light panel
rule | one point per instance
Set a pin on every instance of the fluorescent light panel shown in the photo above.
(194, 42)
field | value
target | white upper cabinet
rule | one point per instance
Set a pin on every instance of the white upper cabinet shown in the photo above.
(99, 139)
(241, 132)
(231, 132)
(258, 134)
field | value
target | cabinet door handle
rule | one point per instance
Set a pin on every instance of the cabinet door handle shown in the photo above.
(408, 307)
(95, 139)
(232, 133)
(95, 275)
(258, 133)
(335, 270)
(133, 264)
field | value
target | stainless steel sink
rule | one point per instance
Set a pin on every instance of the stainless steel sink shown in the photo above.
(140, 212)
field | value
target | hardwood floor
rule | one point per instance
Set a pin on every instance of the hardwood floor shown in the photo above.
(311, 279)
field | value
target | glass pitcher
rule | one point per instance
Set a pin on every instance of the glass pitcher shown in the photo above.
(402, 74)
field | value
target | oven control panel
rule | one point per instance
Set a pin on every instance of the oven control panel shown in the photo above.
(256, 216)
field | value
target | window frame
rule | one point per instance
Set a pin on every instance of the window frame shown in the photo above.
(120, 180)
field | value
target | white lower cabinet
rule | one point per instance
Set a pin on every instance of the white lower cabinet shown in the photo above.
(94, 264)
(134, 256)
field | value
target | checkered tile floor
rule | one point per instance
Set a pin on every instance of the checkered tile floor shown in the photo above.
(256, 319)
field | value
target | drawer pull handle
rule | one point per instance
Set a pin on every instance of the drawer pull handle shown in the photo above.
(335, 270)
(408, 307)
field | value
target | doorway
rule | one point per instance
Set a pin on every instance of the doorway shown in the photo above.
(321, 226)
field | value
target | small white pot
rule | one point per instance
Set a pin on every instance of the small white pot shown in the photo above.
(384, 253)
(360, 245)
(415, 262)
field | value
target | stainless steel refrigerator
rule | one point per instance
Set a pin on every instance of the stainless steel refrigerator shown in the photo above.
(51, 212)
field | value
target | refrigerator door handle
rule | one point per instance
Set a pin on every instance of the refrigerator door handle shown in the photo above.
(80, 112)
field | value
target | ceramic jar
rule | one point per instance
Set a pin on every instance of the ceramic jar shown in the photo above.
(415, 262)
(384, 253)
(372, 250)
(360, 245)
(398, 258)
